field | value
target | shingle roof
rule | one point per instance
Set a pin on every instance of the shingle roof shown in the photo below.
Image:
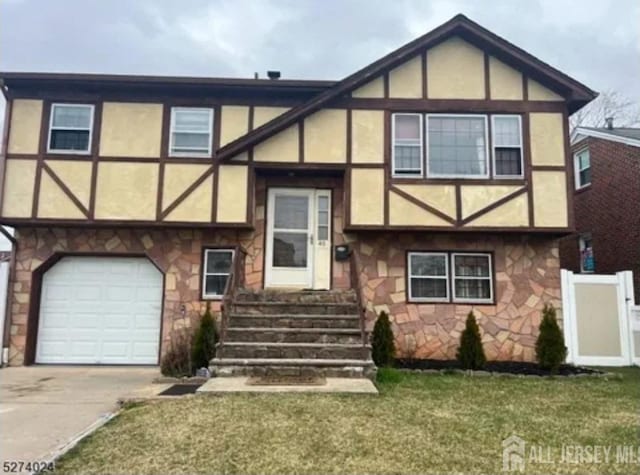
(627, 132)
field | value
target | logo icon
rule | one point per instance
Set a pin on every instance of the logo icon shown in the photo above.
(513, 454)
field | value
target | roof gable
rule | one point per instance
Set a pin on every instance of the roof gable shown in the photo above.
(627, 136)
(576, 94)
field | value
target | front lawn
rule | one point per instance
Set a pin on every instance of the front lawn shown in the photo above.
(418, 424)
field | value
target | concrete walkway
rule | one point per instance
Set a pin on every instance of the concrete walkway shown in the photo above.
(227, 385)
(43, 407)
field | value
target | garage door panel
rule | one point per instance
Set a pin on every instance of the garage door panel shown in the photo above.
(100, 311)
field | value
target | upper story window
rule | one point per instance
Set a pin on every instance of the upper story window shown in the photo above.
(582, 164)
(70, 128)
(506, 133)
(457, 146)
(191, 132)
(216, 269)
(407, 145)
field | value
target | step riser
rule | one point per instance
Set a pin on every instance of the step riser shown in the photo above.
(230, 351)
(292, 337)
(295, 309)
(302, 297)
(297, 322)
(306, 371)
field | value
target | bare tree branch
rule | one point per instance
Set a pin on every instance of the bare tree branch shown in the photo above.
(610, 103)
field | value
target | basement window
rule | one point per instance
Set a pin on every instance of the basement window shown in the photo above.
(465, 277)
(70, 127)
(587, 262)
(216, 269)
(506, 133)
(191, 132)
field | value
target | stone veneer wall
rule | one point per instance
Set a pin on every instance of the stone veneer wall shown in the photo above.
(527, 275)
(177, 252)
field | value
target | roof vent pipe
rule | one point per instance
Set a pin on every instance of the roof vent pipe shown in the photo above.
(609, 122)
(273, 74)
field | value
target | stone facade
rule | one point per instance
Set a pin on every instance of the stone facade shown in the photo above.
(527, 275)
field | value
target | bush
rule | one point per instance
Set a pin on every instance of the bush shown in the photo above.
(470, 353)
(177, 360)
(550, 349)
(204, 341)
(383, 348)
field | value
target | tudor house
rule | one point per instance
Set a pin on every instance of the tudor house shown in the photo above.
(434, 181)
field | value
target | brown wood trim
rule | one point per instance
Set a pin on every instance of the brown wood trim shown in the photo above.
(492, 206)
(347, 198)
(487, 77)
(4, 148)
(525, 88)
(460, 181)
(301, 141)
(42, 147)
(190, 189)
(217, 128)
(164, 152)
(458, 204)
(422, 205)
(387, 166)
(214, 192)
(549, 168)
(65, 189)
(250, 118)
(523, 230)
(451, 105)
(526, 150)
(251, 192)
(349, 136)
(570, 179)
(102, 223)
(97, 132)
(425, 76)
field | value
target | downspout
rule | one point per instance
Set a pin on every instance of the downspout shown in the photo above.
(6, 331)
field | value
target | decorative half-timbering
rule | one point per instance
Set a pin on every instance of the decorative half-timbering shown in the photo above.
(431, 182)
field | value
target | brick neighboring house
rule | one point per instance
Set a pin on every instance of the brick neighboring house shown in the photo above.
(606, 203)
(432, 182)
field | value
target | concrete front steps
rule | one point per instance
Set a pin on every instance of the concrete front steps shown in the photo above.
(305, 333)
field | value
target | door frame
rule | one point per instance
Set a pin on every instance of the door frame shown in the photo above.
(33, 316)
(330, 190)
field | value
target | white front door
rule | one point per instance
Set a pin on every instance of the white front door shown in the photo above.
(298, 248)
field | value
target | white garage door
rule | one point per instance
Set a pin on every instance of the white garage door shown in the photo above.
(100, 310)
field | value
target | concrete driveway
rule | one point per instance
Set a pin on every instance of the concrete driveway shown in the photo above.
(44, 407)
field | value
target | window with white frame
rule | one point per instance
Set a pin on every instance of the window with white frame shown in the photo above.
(587, 261)
(407, 145)
(70, 128)
(450, 277)
(457, 146)
(215, 272)
(582, 163)
(472, 279)
(191, 132)
(428, 276)
(507, 146)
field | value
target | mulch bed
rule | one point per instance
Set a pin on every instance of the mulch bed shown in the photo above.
(506, 367)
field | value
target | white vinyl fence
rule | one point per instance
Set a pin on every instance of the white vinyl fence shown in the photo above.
(601, 321)
(4, 283)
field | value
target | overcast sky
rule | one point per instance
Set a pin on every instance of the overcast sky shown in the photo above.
(595, 41)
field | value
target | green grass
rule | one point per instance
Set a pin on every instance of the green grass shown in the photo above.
(418, 424)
